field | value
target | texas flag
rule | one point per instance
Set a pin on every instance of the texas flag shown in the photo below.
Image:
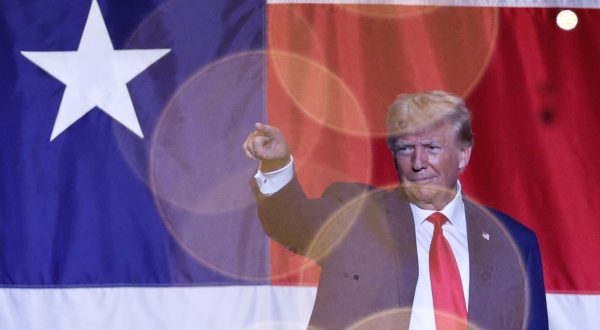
(124, 195)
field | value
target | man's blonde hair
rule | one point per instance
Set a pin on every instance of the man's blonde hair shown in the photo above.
(411, 113)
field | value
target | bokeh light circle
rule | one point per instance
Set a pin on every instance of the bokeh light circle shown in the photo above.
(567, 20)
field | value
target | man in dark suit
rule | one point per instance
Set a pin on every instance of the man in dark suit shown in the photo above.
(421, 256)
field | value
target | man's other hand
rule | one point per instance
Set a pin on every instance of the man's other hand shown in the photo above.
(267, 145)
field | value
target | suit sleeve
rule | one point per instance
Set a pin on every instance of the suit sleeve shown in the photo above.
(297, 222)
(538, 311)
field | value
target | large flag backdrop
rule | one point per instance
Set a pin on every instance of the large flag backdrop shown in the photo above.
(124, 200)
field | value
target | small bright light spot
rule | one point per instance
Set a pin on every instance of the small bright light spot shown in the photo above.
(566, 20)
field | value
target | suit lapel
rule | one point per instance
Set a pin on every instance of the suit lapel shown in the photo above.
(402, 230)
(481, 267)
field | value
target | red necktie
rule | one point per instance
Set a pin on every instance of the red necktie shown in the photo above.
(448, 296)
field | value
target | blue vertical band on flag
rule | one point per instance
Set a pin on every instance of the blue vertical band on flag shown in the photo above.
(97, 204)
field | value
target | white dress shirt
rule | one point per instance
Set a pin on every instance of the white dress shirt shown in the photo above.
(271, 182)
(455, 231)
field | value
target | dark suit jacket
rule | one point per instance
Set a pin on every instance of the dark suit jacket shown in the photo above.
(364, 240)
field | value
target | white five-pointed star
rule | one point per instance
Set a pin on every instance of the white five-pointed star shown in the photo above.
(95, 75)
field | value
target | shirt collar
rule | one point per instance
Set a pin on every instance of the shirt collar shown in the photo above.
(452, 210)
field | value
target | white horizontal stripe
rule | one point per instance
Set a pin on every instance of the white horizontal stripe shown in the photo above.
(573, 311)
(226, 307)
(466, 3)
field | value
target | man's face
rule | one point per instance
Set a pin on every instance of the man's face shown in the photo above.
(429, 162)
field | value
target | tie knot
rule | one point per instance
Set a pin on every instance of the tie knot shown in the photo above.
(437, 219)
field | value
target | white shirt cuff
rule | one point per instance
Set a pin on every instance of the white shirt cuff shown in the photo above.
(271, 182)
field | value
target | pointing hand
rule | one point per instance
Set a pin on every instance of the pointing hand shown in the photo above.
(268, 145)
